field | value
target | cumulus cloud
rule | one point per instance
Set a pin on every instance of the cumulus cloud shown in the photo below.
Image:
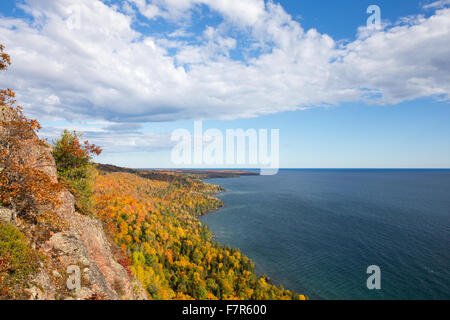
(243, 12)
(84, 59)
(114, 138)
(437, 4)
(405, 62)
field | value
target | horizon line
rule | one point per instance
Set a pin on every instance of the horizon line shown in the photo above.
(292, 168)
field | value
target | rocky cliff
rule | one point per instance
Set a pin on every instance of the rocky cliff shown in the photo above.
(79, 243)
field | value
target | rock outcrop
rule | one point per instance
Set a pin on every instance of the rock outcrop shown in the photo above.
(81, 242)
(6, 215)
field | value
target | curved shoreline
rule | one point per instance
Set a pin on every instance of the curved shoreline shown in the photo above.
(258, 274)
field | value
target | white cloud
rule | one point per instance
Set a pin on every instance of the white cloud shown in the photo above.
(113, 137)
(102, 68)
(150, 11)
(437, 4)
(402, 63)
(244, 12)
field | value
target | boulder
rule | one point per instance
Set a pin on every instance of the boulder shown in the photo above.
(5, 214)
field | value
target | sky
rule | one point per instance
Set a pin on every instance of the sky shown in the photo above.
(342, 94)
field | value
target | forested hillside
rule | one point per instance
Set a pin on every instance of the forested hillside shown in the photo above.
(172, 254)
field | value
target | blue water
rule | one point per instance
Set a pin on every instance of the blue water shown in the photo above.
(317, 231)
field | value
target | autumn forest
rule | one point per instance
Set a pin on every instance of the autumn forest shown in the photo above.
(172, 254)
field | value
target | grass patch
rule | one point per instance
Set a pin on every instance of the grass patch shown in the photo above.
(17, 263)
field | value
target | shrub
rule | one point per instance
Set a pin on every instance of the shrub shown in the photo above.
(5, 59)
(17, 262)
(75, 167)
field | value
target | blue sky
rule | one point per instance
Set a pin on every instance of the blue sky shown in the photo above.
(128, 73)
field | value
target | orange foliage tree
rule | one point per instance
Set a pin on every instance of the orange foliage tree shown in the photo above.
(76, 169)
(23, 186)
(5, 59)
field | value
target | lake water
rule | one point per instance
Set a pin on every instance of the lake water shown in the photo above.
(317, 231)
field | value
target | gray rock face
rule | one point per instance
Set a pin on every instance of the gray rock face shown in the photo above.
(5, 214)
(85, 245)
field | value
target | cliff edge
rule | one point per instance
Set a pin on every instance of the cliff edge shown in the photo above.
(77, 242)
